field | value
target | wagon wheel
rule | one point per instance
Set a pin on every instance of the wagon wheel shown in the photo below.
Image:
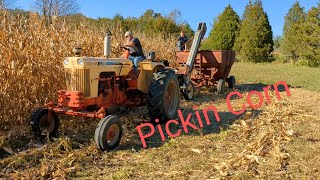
(44, 123)
(108, 133)
(188, 92)
(231, 82)
(220, 86)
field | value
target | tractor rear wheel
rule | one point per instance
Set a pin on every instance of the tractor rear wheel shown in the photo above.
(163, 100)
(108, 133)
(188, 92)
(44, 123)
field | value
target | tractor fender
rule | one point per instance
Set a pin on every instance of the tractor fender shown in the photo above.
(146, 74)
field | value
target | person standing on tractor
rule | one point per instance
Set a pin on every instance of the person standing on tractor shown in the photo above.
(182, 42)
(136, 52)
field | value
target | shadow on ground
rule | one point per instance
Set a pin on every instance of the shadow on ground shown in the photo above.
(259, 87)
(205, 95)
(226, 118)
(81, 131)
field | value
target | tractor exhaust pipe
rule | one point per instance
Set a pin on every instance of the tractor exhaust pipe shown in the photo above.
(107, 45)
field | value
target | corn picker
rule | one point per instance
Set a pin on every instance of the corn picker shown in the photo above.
(97, 86)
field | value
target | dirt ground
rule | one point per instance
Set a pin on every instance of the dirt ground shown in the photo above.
(280, 140)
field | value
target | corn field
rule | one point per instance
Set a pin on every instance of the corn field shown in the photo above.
(31, 56)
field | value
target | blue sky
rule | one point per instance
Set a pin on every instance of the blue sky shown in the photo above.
(192, 11)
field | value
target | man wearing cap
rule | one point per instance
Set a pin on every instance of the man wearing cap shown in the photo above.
(136, 52)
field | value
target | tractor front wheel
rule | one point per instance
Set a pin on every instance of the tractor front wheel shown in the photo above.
(44, 122)
(108, 133)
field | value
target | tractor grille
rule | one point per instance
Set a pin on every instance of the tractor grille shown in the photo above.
(78, 80)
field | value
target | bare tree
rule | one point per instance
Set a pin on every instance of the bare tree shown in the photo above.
(1, 4)
(4, 4)
(50, 8)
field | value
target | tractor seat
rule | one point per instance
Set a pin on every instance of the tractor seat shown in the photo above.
(132, 74)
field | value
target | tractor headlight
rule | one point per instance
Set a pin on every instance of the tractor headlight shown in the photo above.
(66, 62)
(80, 61)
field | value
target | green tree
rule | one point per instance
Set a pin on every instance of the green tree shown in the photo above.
(187, 29)
(310, 44)
(292, 30)
(254, 42)
(149, 14)
(154, 23)
(224, 31)
(175, 16)
(277, 42)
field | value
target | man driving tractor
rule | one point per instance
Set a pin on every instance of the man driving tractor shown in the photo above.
(136, 52)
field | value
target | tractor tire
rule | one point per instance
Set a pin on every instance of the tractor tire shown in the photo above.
(231, 82)
(220, 86)
(42, 125)
(108, 133)
(163, 100)
(188, 93)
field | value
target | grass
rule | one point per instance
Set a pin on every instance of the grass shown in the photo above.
(270, 73)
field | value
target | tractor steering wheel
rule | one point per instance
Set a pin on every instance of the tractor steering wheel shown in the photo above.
(126, 48)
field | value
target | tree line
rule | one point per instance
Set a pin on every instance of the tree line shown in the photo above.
(252, 38)
(150, 23)
(300, 42)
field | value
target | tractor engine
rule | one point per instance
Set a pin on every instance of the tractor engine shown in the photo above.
(94, 83)
(106, 84)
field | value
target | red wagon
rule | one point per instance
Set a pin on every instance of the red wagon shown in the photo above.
(210, 68)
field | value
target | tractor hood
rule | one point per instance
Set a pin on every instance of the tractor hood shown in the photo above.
(85, 62)
(82, 73)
